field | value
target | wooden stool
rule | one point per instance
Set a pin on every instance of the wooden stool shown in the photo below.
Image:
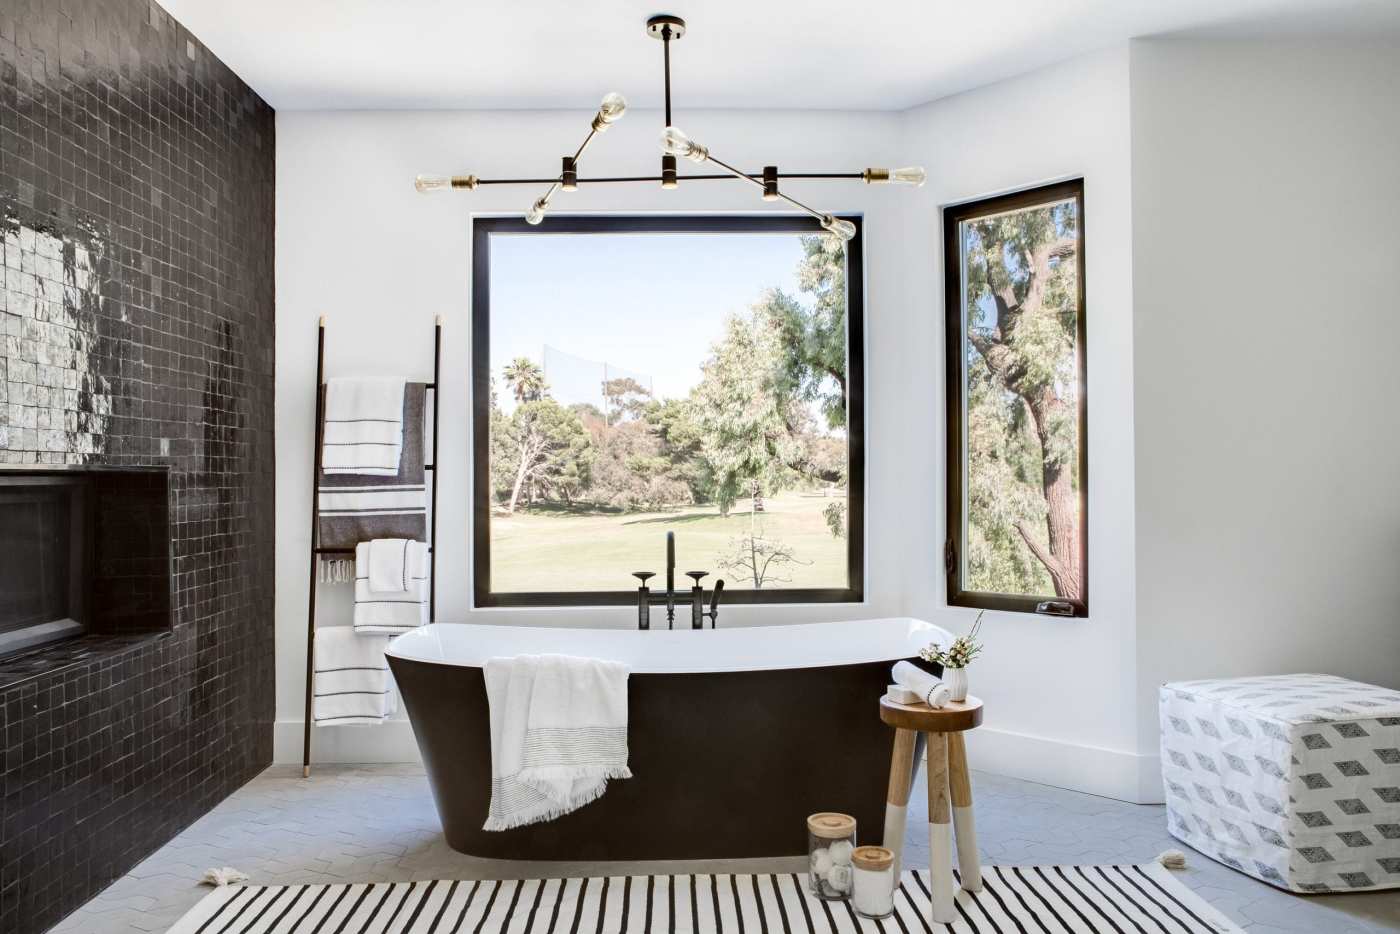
(942, 729)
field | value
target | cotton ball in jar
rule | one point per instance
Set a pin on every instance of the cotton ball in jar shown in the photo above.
(821, 862)
(841, 852)
(839, 878)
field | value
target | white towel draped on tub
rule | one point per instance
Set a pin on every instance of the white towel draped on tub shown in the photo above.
(352, 683)
(391, 611)
(363, 431)
(558, 733)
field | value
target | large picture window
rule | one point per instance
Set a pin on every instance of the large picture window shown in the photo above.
(638, 375)
(1017, 465)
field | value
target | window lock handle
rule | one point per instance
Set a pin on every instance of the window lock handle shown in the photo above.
(1055, 608)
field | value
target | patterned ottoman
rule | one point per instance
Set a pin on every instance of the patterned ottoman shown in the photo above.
(1293, 779)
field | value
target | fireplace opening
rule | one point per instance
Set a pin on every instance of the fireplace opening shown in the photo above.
(84, 551)
(45, 559)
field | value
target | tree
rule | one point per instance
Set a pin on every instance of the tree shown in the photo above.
(740, 411)
(758, 558)
(1022, 310)
(549, 446)
(814, 338)
(525, 379)
(624, 397)
(631, 471)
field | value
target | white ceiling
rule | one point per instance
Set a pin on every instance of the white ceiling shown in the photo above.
(829, 54)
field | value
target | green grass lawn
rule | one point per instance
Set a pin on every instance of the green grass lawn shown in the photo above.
(580, 549)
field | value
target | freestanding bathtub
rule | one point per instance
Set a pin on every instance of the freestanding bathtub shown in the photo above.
(734, 735)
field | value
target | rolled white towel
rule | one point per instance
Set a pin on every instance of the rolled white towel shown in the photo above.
(933, 691)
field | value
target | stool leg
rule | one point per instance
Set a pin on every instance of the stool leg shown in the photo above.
(963, 826)
(940, 832)
(902, 765)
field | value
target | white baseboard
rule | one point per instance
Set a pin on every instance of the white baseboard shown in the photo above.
(389, 742)
(1091, 769)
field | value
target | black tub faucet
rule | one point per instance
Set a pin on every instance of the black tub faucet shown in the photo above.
(698, 613)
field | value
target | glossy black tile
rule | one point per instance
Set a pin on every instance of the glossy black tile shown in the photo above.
(136, 329)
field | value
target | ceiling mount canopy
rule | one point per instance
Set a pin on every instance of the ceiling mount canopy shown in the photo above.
(674, 144)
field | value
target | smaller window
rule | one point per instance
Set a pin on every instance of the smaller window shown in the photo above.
(1017, 455)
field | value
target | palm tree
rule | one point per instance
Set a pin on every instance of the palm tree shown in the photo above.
(525, 379)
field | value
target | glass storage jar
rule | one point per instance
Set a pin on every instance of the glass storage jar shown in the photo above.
(831, 839)
(873, 885)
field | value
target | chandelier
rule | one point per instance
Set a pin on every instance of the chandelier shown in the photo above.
(674, 144)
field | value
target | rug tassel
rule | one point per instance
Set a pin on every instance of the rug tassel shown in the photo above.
(225, 876)
(1172, 859)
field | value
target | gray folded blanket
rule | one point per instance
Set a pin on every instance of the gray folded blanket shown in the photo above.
(359, 508)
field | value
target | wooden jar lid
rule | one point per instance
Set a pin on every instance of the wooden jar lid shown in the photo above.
(872, 857)
(831, 826)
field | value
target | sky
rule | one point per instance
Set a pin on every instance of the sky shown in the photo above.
(649, 305)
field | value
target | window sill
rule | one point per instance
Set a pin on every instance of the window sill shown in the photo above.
(57, 657)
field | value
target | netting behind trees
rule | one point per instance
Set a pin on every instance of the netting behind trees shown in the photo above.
(577, 380)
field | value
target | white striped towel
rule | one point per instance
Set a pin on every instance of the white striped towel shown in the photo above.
(388, 564)
(558, 733)
(391, 612)
(352, 684)
(363, 431)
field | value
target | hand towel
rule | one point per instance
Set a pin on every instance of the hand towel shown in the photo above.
(558, 733)
(357, 509)
(352, 683)
(363, 430)
(388, 565)
(929, 688)
(391, 612)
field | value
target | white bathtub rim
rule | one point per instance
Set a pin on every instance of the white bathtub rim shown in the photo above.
(679, 651)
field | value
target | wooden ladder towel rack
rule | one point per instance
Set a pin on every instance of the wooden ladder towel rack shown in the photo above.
(318, 552)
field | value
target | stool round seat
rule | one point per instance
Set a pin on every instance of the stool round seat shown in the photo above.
(954, 717)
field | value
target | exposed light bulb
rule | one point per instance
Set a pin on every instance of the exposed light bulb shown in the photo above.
(427, 183)
(909, 175)
(674, 142)
(536, 212)
(613, 109)
(842, 228)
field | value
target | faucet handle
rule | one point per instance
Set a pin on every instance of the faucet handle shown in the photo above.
(643, 576)
(697, 576)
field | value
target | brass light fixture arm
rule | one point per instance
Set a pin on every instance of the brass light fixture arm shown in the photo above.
(668, 28)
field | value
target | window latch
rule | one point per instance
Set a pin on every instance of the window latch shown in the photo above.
(1055, 608)
(949, 557)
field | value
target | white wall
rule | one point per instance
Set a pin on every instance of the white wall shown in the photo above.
(356, 243)
(1060, 692)
(1241, 333)
(1265, 191)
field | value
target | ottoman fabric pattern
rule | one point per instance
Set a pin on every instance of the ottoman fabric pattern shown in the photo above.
(1293, 779)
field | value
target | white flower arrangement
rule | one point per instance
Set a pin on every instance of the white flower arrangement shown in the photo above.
(958, 655)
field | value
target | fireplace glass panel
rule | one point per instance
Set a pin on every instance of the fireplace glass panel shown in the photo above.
(41, 562)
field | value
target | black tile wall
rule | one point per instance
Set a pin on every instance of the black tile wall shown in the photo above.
(136, 329)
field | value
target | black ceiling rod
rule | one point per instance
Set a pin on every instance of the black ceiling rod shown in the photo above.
(666, 27)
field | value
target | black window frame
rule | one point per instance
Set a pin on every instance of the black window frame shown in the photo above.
(482, 230)
(955, 381)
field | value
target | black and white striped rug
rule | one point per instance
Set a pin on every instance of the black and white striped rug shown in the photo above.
(1019, 899)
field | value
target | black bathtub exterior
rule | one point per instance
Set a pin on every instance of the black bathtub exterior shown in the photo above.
(724, 765)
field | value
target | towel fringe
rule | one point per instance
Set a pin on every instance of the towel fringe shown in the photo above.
(556, 809)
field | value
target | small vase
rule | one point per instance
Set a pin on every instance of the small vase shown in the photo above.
(956, 679)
